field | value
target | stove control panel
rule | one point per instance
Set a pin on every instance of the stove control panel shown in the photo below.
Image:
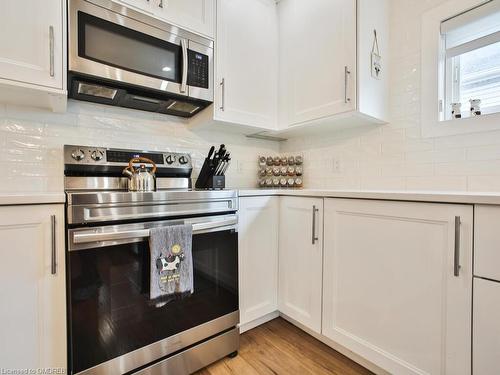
(99, 156)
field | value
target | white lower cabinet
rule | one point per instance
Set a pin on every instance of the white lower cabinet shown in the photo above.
(486, 328)
(390, 293)
(258, 257)
(32, 291)
(301, 260)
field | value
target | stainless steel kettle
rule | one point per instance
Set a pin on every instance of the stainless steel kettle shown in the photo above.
(140, 179)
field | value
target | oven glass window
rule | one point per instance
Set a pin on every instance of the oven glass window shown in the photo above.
(124, 48)
(111, 312)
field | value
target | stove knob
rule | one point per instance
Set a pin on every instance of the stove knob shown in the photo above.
(78, 154)
(183, 160)
(97, 155)
(170, 159)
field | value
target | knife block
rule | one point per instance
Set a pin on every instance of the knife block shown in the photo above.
(207, 180)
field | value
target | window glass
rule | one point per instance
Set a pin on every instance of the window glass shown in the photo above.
(471, 51)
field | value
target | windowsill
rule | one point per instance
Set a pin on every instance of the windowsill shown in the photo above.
(465, 125)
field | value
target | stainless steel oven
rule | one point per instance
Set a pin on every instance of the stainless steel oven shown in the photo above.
(114, 327)
(121, 57)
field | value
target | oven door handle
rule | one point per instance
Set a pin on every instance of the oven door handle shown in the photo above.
(86, 237)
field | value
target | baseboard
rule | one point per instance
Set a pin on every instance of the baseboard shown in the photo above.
(257, 322)
(332, 344)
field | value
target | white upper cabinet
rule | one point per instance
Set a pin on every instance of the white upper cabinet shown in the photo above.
(317, 59)
(247, 63)
(325, 69)
(32, 50)
(33, 289)
(194, 15)
(258, 257)
(397, 284)
(301, 260)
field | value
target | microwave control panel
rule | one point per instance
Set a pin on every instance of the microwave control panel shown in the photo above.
(198, 72)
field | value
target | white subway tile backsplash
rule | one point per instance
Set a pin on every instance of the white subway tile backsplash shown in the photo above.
(32, 142)
(483, 183)
(443, 183)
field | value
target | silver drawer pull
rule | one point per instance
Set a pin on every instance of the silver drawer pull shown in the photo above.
(51, 50)
(314, 237)
(53, 253)
(223, 94)
(347, 73)
(456, 259)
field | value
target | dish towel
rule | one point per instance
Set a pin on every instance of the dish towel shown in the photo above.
(171, 260)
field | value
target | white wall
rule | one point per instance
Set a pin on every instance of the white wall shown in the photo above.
(31, 142)
(395, 156)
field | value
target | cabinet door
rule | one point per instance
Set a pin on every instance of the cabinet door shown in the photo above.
(300, 260)
(317, 59)
(33, 313)
(247, 63)
(486, 344)
(390, 293)
(258, 257)
(194, 15)
(31, 42)
(486, 240)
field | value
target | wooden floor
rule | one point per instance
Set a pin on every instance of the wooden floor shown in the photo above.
(278, 347)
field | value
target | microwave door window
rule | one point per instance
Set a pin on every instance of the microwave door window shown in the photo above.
(115, 45)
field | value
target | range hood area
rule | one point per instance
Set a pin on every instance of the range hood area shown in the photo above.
(133, 97)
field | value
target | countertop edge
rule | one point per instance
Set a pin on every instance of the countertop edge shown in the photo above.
(7, 199)
(410, 196)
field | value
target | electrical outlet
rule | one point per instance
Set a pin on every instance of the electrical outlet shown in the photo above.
(336, 165)
(239, 166)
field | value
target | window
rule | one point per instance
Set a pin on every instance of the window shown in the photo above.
(471, 42)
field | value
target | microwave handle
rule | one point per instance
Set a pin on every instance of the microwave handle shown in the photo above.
(184, 66)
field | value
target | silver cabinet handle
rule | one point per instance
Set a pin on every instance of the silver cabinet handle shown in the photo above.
(51, 50)
(53, 264)
(184, 65)
(456, 259)
(347, 72)
(314, 237)
(223, 94)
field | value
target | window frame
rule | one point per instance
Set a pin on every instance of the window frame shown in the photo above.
(435, 81)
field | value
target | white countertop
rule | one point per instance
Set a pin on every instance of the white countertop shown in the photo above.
(398, 195)
(31, 198)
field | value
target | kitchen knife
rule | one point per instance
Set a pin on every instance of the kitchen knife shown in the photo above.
(226, 166)
(210, 153)
(222, 164)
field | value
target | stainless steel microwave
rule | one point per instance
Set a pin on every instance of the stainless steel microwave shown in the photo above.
(119, 56)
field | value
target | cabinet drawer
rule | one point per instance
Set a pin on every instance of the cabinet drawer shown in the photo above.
(487, 242)
(486, 327)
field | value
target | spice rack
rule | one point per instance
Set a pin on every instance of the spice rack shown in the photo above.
(284, 171)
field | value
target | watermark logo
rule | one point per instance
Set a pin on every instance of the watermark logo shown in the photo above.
(33, 371)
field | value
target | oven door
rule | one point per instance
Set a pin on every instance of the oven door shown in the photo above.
(114, 326)
(116, 43)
